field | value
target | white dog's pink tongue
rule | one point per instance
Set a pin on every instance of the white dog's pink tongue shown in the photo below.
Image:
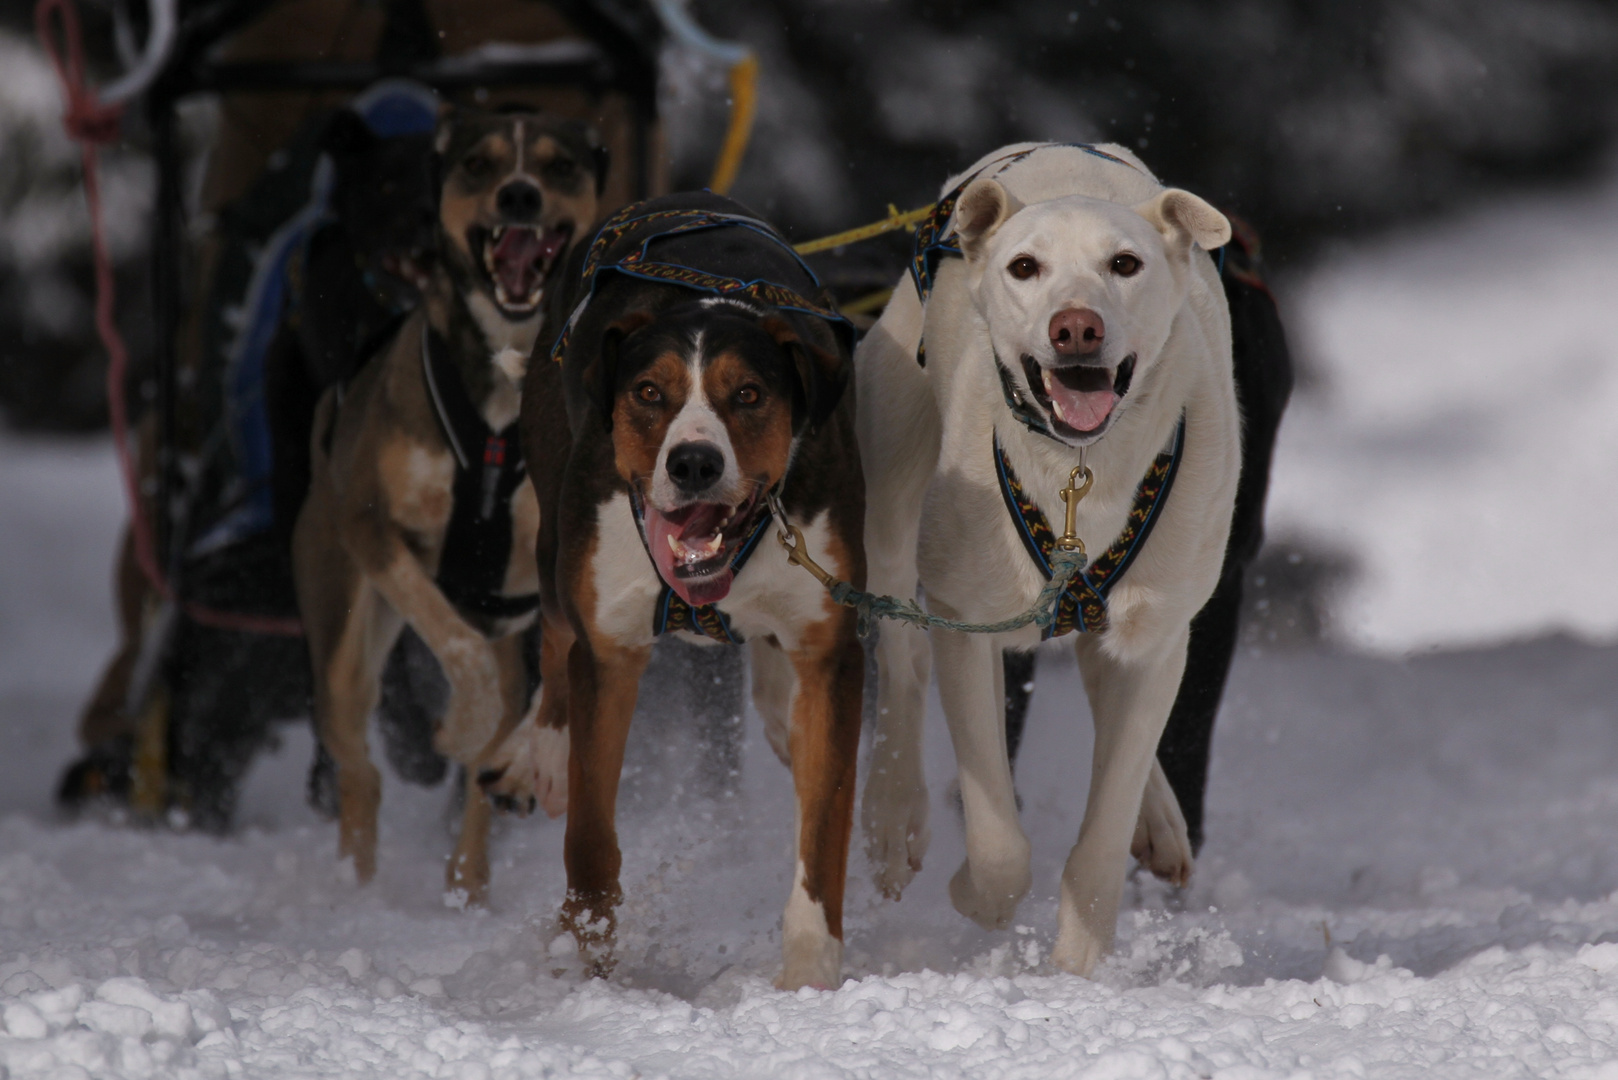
(677, 541)
(1081, 408)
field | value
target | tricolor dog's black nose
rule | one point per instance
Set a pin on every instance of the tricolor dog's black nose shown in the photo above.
(695, 466)
(519, 201)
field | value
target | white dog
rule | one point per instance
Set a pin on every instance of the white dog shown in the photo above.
(1081, 326)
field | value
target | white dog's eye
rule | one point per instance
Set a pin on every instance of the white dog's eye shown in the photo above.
(1125, 264)
(1023, 267)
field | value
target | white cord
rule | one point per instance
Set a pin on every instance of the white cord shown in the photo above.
(159, 43)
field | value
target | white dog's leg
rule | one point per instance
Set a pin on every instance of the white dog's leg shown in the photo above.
(995, 876)
(773, 681)
(1162, 843)
(893, 813)
(1130, 702)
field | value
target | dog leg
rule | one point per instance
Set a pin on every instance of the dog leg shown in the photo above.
(995, 876)
(467, 657)
(1130, 702)
(603, 683)
(466, 878)
(893, 812)
(1162, 843)
(773, 684)
(528, 767)
(825, 743)
(349, 630)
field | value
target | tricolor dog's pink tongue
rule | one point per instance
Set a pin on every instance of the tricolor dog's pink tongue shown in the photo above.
(1085, 405)
(692, 524)
(519, 258)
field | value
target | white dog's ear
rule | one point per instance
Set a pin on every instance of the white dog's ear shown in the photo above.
(982, 208)
(1182, 217)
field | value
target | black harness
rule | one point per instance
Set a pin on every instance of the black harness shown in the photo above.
(489, 469)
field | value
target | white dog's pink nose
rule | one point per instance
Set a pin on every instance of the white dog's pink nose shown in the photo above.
(1076, 332)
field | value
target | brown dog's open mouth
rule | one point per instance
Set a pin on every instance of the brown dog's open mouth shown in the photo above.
(1080, 398)
(693, 546)
(517, 259)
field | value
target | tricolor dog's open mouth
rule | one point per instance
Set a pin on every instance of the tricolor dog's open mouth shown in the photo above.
(694, 545)
(1080, 398)
(517, 259)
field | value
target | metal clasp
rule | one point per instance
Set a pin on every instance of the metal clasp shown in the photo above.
(1069, 540)
(797, 553)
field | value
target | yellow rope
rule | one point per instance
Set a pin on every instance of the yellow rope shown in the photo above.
(743, 106)
(895, 220)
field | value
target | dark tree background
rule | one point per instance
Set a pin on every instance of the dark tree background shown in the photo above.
(1313, 118)
(1316, 120)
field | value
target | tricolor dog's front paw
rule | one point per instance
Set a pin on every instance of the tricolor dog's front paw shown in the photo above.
(1162, 843)
(528, 769)
(893, 816)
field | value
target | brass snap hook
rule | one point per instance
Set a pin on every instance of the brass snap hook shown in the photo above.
(1069, 540)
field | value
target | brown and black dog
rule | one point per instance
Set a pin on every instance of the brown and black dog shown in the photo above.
(417, 509)
(702, 377)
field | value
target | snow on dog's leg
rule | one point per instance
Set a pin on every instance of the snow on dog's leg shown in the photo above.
(1162, 843)
(773, 682)
(893, 813)
(528, 767)
(1130, 702)
(825, 742)
(995, 876)
(603, 681)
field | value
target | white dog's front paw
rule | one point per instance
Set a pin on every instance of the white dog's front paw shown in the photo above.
(1162, 843)
(893, 816)
(528, 768)
(1078, 950)
(989, 895)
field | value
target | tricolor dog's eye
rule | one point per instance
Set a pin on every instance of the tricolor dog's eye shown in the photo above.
(477, 166)
(1125, 264)
(1023, 267)
(747, 395)
(648, 393)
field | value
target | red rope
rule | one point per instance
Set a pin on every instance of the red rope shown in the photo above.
(91, 122)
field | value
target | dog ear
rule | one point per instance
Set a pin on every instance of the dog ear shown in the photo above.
(347, 135)
(601, 375)
(982, 208)
(822, 375)
(1184, 219)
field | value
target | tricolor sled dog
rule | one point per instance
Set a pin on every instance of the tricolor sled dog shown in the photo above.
(1060, 312)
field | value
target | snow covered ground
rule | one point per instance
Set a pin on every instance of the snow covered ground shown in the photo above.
(1410, 868)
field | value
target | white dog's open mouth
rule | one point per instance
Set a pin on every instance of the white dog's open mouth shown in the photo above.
(517, 259)
(1081, 397)
(693, 546)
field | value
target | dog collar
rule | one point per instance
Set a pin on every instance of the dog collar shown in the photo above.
(672, 611)
(1083, 604)
(489, 468)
